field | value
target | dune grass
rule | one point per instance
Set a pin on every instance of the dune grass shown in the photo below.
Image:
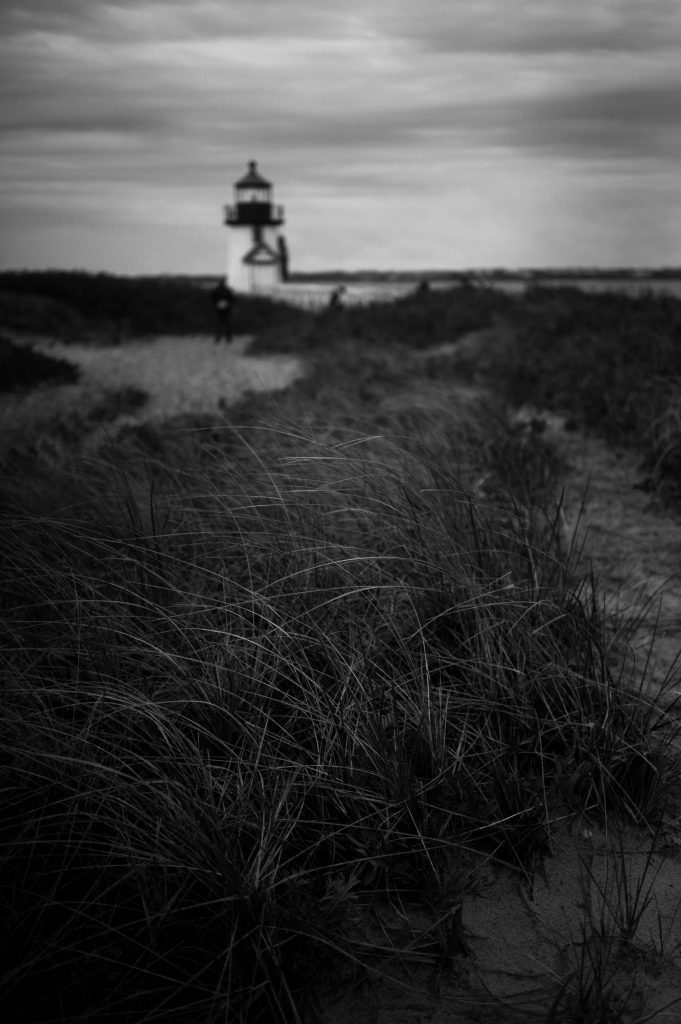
(258, 673)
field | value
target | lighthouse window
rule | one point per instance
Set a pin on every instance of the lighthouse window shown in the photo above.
(254, 195)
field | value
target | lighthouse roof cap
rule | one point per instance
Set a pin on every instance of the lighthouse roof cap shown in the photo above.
(253, 177)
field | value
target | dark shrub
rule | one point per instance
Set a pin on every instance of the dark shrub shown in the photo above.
(22, 368)
(73, 304)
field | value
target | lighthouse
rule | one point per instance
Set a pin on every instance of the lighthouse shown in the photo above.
(257, 257)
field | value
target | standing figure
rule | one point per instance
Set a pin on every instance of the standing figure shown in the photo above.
(337, 297)
(223, 303)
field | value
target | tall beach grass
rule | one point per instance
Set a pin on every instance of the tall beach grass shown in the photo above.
(256, 675)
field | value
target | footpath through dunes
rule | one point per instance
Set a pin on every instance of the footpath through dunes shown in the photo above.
(632, 544)
(187, 374)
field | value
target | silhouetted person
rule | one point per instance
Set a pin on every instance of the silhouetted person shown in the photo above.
(283, 257)
(337, 297)
(223, 302)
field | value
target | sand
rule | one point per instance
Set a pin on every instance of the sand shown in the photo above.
(179, 374)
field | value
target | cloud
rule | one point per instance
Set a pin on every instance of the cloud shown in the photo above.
(629, 122)
(172, 20)
(355, 89)
(530, 26)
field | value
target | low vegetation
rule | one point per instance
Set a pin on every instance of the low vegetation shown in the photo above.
(417, 321)
(109, 309)
(266, 671)
(22, 369)
(610, 361)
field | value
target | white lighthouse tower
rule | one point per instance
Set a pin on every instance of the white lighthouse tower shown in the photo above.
(256, 252)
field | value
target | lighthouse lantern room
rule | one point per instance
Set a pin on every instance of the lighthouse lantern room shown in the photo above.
(256, 252)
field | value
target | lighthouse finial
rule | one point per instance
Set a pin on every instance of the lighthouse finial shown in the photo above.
(252, 166)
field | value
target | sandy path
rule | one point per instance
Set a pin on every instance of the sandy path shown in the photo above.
(184, 374)
(179, 374)
(633, 547)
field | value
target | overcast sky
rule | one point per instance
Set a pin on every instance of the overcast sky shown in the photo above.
(397, 133)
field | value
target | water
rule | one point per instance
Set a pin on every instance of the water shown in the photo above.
(314, 295)
(627, 285)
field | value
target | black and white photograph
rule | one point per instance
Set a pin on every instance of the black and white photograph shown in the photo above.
(340, 512)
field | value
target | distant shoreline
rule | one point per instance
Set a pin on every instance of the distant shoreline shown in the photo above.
(472, 276)
(494, 274)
